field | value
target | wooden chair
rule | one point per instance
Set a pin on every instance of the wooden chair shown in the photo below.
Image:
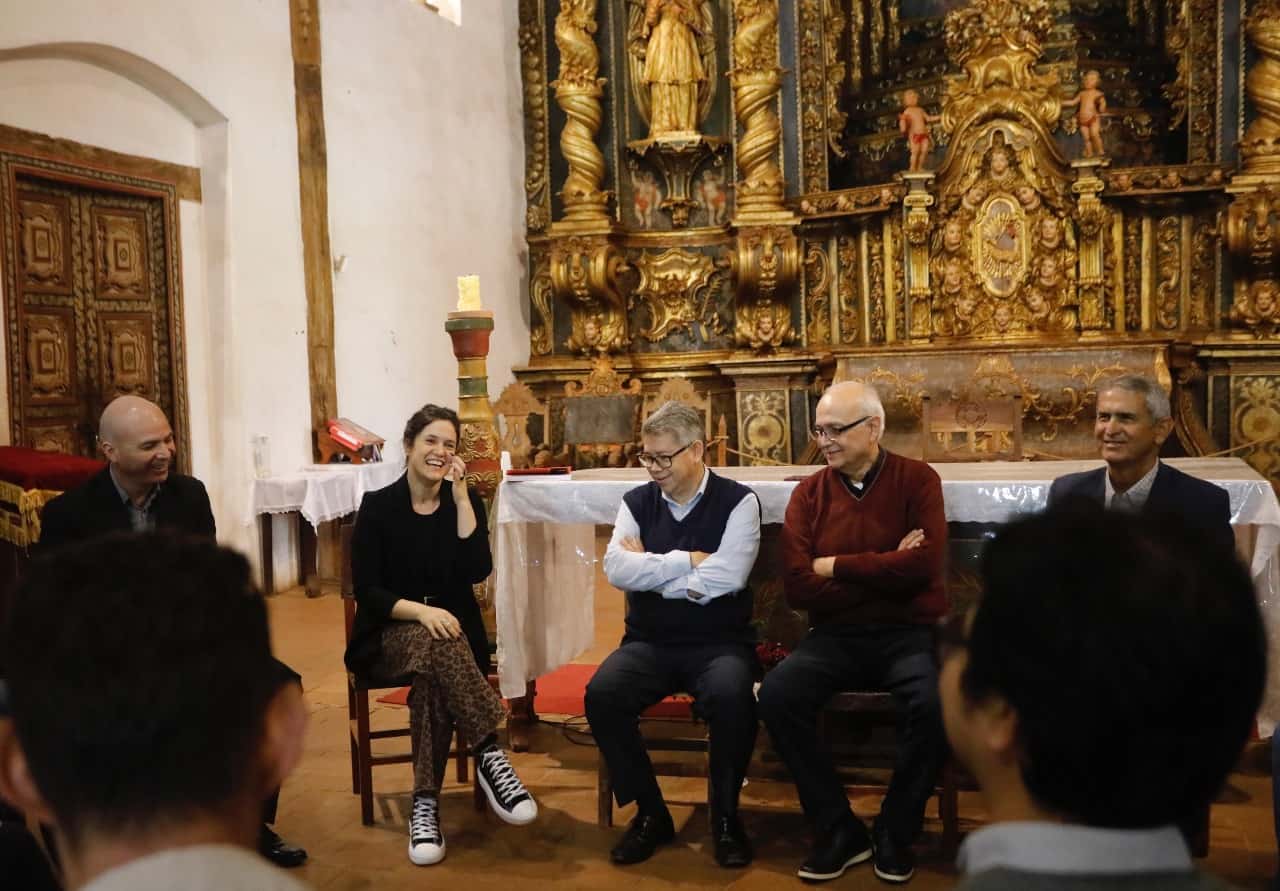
(361, 735)
(516, 404)
(877, 708)
(990, 429)
(602, 417)
(679, 389)
(696, 740)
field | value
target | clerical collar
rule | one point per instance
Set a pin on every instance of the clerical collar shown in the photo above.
(860, 489)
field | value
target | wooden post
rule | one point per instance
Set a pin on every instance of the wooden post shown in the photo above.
(313, 188)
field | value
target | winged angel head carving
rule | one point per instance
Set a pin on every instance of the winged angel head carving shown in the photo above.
(672, 62)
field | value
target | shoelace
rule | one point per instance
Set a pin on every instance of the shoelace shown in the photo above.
(424, 823)
(506, 785)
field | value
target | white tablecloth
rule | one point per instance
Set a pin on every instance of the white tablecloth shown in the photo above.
(320, 492)
(545, 544)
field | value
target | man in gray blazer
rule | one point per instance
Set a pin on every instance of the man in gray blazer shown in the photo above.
(1101, 689)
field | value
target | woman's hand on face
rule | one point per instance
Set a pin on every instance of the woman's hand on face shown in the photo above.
(458, 471)
(440, 623)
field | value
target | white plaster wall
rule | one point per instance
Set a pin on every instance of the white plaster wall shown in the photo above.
(107, 109)
(221, 78)
(426, 174)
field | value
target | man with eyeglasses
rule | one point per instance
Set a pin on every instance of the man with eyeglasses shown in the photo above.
(682, 548)
(863, 547)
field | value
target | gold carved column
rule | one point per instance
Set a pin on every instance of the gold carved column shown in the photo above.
(583, 260)
(766, 262)
(1253, 219)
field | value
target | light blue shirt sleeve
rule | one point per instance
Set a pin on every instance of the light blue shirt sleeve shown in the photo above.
(639, 572)
(727, 570)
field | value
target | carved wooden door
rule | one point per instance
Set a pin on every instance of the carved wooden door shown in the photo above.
(95, 268)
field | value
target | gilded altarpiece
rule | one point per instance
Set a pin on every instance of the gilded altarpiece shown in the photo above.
(999, 197)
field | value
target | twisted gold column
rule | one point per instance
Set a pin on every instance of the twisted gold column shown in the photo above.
(578, 92)
(756, 80)
(1261, 145)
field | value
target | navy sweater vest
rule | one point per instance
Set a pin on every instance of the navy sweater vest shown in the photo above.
(649, 616)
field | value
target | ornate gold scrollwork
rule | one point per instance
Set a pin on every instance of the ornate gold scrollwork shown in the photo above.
(1253, 235)
(602, 380)
(915, 228)
(817, 294)
(578, 92)
(584, 274)
(848, 277)
(541, 334)
(998, 43)
(822, 73)
(534, 79)
(765, 267)
(677, 288)
(763, 422)
(1093, 222)
(756, 79)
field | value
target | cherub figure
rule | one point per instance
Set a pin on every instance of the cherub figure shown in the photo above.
(913, 123)
(1090, 105)
(645, 196)
(714, 199)
(1048, 276)
(952, 236)
(1050, 233)
(1028, 197)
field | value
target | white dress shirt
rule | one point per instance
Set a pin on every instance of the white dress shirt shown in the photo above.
(673, 573)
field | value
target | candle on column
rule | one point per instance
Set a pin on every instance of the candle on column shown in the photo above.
(468, 293)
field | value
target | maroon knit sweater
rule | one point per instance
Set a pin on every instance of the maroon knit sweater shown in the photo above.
(874, 581)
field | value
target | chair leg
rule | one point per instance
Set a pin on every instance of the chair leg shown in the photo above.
(604, 796)
(460, 756)
(366, 758)
(949, 808)
(355, 751)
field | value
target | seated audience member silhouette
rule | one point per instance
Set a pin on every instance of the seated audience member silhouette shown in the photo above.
(149, 724)
(417, 548)
(1102, 688)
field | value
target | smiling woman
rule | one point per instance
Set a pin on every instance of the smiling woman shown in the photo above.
(418, 547)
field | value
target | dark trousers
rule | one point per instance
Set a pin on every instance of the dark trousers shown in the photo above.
(639, 674)
(897, 658)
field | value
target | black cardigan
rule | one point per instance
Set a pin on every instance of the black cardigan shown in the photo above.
(390, 562)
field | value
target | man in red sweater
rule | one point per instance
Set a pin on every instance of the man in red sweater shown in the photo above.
(863, 545)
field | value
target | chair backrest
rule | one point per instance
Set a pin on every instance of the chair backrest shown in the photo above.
(680, 389)
(961, 429)
(347, 585)
(516, 404)
(602, 417)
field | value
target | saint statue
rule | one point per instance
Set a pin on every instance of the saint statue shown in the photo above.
(672, 45)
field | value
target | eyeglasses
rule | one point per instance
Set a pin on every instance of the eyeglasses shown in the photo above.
(831, 431)
(662, 462)
(951, 635)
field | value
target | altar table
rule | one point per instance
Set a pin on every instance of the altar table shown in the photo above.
(545, 544)
(317, 493)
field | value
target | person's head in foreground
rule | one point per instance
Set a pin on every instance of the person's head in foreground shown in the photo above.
(1108, 678)
(143, 700)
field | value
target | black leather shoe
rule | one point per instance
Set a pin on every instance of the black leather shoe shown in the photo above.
(893, 862)
(845, 845)
(733, 848)
(279, 851)
(642, 838)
